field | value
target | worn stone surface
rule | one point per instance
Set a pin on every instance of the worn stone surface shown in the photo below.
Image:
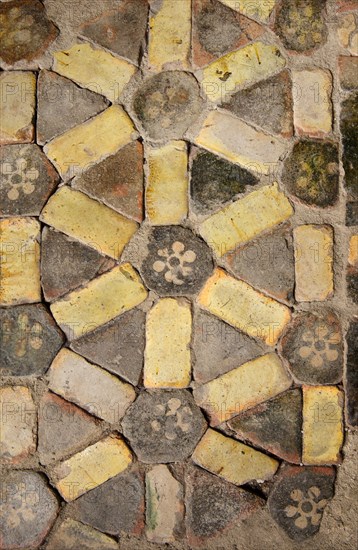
(352, 213)
(352, 284)
(63, 429)
(213, 505)
(89, 386)
(88, 221)
(274, 96)
(348, 124)
(313, 262)
(163, 426)
(80, 147)
(240, 305)
(115, 507)
(26, 30)
(347, 24)
(298, 500)
(351, 386)
(348, 70)
(61, 105)
(168, 172)
(117, 181)
(73, 534)
(20, 261)
(164, 505)
(242, 388)
(267, 263)
(252, 8)
(219, 348)
(215, 181)
(274, 426)
(90, 468)
(167, 362)
(313, 347)
(322, 425)
(67, 264)
(18, 422)
(103, 299)
(27, 179)
(167, 103)
(231, 460)
(29, 340)
(311, 173)
(17, 106)
(177, 261)
(121, 31)
(300, 24)
(117, 346)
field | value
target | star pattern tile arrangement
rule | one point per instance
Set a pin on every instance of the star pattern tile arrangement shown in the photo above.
(160, 277)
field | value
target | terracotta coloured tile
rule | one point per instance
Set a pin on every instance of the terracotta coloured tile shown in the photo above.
(71, 534)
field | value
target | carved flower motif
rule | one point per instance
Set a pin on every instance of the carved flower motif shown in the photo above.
(19, 178)
(308, 508)
(175, 419)
(319, 346)
(173, 266)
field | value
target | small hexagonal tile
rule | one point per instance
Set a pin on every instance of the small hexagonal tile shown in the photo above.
(163, 426)
(116, 506)
(28, 509)
(27, 179)
(178, 262)
(351, 385)
(29, 340)
(167, 103)
(348, 123)
(298, 499)
(73, 534)
(313, 347)
(311, 172)
(215, 181)
(26, 32)
(17, 106)
(300, 25)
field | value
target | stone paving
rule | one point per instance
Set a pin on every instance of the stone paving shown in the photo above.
(178, 183)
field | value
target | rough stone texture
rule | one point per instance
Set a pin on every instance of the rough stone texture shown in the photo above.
(213, 505)
(115, 507)
(61, 105)
(27, 179)
(117, 181)
(274, 426)
(347, 25)
(28, 509)
(267, 263)
(26, 31)
(352, 213)
(352, 284)
(121, 31)
(313, 347)
(177, 261)
(274, 96)
(18, 424)
(242, 388)
(29, 340)
(311, 173)
(351, 385)
(215, 181)
(300, 25)
(252, 8)
(73, 534)
(348, 71)
(219, 348)
(163, 426)
(299, 498)
(348, 123)
(17, 106)
(67, 264)
(117, 346)
(167, 104)
(63, 428)
(90, 387)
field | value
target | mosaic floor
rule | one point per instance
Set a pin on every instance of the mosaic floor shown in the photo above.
(179, 258)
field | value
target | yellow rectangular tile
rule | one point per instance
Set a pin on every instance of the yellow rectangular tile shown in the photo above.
(100, 301)
(242, 306)
(17, 106)
(92, 467)
(238, 142)
(353, 251)
(257, 9)
(322, 424)
(168, 182)
(240, 68)
(312, 90)
(242, 388)
(19, 261)
(86, 144)
(89, 221)
(170, 34)
(167, 355)
(232, 460)
(245, 219)
(95, 69)
(313, 262)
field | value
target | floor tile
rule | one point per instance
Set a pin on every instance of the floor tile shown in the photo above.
(312, 104)
(71, 534)
(351, 386)
(252, 8)
(17, 106)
